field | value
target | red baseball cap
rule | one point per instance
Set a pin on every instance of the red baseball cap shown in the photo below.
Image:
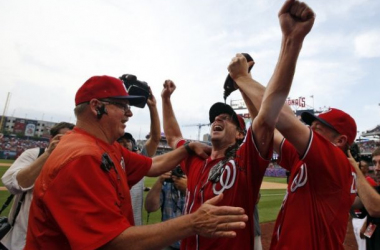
(335, 119)
(222, 108)
(100, 87)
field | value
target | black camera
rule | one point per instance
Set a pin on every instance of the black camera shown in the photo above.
(136, 87)
(176, 172)
(355, 152)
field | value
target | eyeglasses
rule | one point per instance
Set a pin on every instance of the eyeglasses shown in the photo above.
(122, 105)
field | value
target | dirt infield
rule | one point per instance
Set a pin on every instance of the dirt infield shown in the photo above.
(273, 185)
(5, 164)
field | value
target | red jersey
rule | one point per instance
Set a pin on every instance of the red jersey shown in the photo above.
(77, 204)
(240, 182)
(371, 181)
(320, 192)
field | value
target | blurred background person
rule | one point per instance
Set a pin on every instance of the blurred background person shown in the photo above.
(149, 149)
(168, 193)
(358, 215)
(19, 180)
(369, 200)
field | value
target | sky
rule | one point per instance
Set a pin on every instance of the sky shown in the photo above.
(49, 48)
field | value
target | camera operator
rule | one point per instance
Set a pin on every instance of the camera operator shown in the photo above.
(369, 198)
(149, 149)
(168, 193)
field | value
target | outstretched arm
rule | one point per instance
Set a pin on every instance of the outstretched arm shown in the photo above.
(152, 200)
(28, 167)
(368, 195)
(296, 20)
(209, 220)
(171, 127)
(155, 128)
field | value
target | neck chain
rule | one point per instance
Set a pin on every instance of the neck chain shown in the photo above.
(217, 170)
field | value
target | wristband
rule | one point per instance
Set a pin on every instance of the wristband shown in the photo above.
(188, 149)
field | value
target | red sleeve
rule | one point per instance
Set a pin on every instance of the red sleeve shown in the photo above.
(136, 166)
(288, 156)
(371, 181)
(88, 210)
(255, 163)
(184, 163)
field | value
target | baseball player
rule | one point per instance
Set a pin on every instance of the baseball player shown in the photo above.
(321, 187)
(237, 171)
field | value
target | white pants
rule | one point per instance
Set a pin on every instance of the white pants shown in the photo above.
(357, 225)
(257, 244)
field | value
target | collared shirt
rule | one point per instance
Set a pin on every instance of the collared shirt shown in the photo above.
(172, 202)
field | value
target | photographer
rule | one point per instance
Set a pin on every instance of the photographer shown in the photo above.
(19, 180)
(168, 193)
(149, 149)
(369, 198)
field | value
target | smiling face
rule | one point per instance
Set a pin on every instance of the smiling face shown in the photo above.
(113, 122)
(223, 131)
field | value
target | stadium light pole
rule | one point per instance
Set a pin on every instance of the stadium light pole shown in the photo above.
(312, 96)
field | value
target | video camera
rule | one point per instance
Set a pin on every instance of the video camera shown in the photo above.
(176, 172)
(136, 87)
(355, 152)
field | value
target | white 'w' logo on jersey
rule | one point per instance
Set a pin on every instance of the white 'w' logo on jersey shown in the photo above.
(300, 179)
(227, 179)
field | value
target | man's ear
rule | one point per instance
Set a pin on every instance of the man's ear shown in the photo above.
(341, 141)
(95, 107)
(239, 135)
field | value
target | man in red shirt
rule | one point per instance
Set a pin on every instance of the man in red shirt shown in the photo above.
(82, 199)
(321, 186)
(232, 169)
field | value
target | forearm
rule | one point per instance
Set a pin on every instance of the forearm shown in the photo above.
(28, 175)
(166, 162)
(368, 195)
(155, 236)
(152, 199)
(252, 92)
(155, 132)
(252, 108)
(171, 127)
(280, 83)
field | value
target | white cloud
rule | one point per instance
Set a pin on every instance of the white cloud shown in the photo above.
(49, 48)
(367, 44)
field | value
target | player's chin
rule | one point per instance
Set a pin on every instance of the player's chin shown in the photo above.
(217, 134)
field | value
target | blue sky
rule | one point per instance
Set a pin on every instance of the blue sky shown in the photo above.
(49, 48)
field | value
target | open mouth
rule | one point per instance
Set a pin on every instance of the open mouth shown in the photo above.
(217, 128)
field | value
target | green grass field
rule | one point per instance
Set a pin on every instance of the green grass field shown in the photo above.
(5, 161)
(275, 179)
(269, 204)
